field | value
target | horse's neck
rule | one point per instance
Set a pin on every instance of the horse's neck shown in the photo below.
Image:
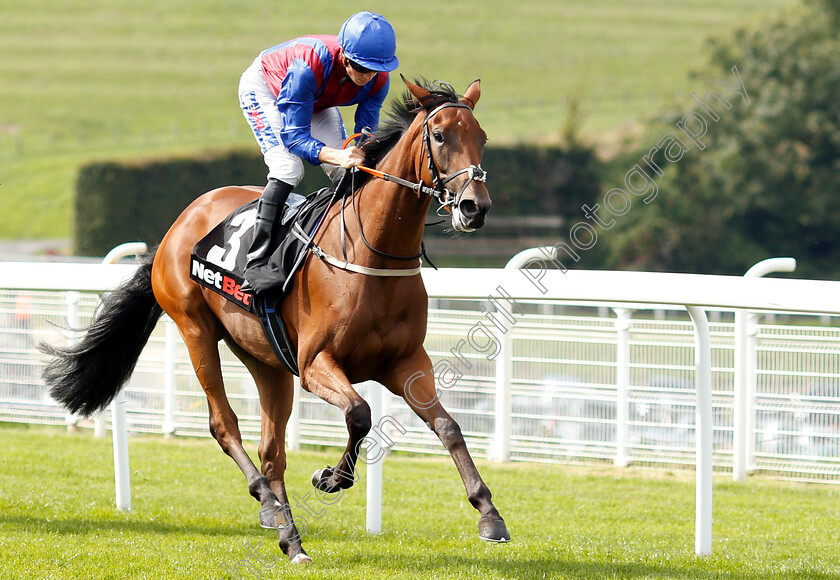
(393, 216)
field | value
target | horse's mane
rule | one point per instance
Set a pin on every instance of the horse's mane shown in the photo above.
(398, 117)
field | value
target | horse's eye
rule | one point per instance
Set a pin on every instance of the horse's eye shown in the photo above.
(438, 136)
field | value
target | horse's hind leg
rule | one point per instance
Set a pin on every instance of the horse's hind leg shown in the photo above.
(276, 391)
(413, 380)
(201, 335)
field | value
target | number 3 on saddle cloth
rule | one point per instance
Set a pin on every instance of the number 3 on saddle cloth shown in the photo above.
(218, 262)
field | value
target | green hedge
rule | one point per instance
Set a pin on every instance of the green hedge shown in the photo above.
(541, 180)
(119, 202)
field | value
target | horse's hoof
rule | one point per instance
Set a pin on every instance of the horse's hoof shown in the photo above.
(493, 531)
(316, 477)
(301, 559)
(320, 478)
(271, 517)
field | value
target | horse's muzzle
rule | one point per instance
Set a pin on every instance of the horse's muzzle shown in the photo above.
(469, 214)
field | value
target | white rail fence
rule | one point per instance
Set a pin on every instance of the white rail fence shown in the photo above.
(536, 365)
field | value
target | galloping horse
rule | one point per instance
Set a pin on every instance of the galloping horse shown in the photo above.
(367, 322)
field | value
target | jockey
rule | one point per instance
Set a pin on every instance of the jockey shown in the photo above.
(289, 97)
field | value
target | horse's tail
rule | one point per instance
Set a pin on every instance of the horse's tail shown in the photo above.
(86, 376)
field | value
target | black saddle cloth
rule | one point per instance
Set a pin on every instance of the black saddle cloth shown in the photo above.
(218, 261)
(224, 250)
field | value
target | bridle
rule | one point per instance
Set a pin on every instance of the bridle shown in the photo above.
(438, 190)
(475, 172)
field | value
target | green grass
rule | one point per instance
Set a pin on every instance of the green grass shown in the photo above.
(83, 80)
(192, 513)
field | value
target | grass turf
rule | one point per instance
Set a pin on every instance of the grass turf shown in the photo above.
(82, 80)
(192, 515)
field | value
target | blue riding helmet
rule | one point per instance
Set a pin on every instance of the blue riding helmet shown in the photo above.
(369, 40)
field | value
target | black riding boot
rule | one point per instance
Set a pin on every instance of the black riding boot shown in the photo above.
(272, 199)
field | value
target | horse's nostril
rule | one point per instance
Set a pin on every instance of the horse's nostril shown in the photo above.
(468, 207)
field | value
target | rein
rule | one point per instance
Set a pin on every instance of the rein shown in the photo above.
(438, 190)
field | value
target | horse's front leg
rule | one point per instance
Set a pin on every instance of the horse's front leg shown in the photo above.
(324, 378)
(413, 380)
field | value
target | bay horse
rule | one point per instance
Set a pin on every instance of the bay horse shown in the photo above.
(349, 324)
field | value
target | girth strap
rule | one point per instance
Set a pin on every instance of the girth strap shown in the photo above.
(345, 265)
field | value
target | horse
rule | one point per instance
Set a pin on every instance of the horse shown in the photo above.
(352, 320)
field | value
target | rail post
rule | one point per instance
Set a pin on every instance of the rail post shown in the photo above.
(72, 301)
(705, 418)
(623, 324)
(746, 326)
(122, 473)
(169, 378)
(119, 421)
(500, 449)
(373, 485)
(112, 257)
(293, 426)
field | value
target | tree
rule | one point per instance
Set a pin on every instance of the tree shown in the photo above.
(767, 182)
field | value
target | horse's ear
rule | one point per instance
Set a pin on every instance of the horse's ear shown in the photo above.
(472, 94)
(418, 93)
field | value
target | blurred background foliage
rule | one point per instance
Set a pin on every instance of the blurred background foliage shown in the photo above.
(768, 180)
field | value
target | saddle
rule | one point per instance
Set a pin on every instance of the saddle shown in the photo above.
(218, 262)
